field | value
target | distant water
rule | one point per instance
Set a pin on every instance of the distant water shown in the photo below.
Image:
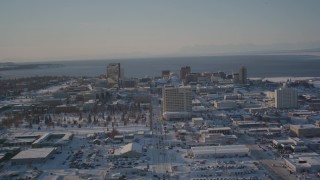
(257, 66)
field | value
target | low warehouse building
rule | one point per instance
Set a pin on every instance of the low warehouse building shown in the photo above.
(52, 139)
(130, 150)
(307, 162)
(306, 130)
(29, 156)
(220, 151)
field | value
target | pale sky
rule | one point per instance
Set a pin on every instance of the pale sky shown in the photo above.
(36, 30)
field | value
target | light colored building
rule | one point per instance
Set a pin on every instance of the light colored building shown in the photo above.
(130, 150)
(198, 109)
(306, 130)
(286, 98)
(220, 151)
(225, 104)
(235, 78)
(31, 156)
(177, 101)
(196, 102)
(197, 121)
(270, 94)
(218, 139)
(294, 144)
(52, 139)
(304, 162)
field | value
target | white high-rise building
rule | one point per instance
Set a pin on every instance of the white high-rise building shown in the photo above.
(177, 102)
(286, 98)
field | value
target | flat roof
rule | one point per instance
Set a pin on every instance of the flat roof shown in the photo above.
(20, 140)
(305, 126)
(250, 123)
(219, 128)
(42, 138)
(283, 141)
(313, 161)
(310, 161)
(197, 119)
(33, 153)
(131, 147)
(176, 113)
(228, 149)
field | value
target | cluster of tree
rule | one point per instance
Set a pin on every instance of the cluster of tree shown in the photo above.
(11, 120)
(14, 87)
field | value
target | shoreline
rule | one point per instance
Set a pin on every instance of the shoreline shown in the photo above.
(284, 78)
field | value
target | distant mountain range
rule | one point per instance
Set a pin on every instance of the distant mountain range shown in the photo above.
(314, 50)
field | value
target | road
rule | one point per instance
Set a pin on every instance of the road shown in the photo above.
(160, 157)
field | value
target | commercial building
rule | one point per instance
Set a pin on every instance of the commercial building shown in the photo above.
(293, 144)
(232, 97)
(19, 139)
(53, 139)
(130, 150)
(235, 78)
(313, 143)
(215, 139)
(197, 121)
(165, 73)
(225, 104)
(243, 75)
(113, 74)
(184, 71)
(220, 151)
(31, 156)
(306, 130)
(89, 105)
(129, 83)
(304, 162)
(286, 98)
(14, 142)
(192, 77)
(177, 102)
(222, 130)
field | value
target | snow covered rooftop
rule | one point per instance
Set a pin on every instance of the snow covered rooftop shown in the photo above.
(220, 149)
(34, 153)
(131, 147)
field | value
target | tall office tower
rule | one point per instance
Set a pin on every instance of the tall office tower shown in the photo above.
(286, 98)
(177, 102)
(184, 71)
(113, 74)
(243, 75)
